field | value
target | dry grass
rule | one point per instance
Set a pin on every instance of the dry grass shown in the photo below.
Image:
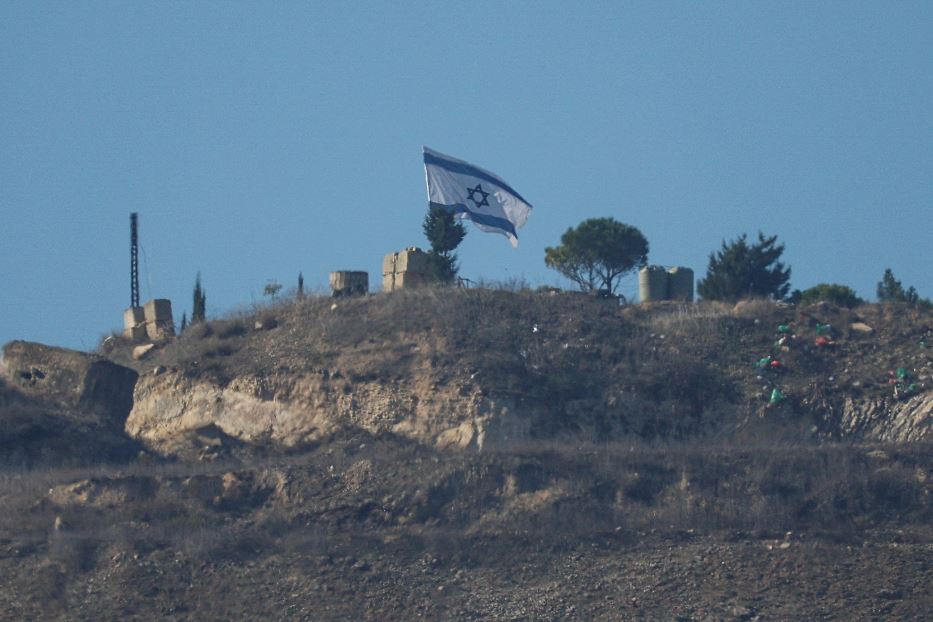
(454, 505)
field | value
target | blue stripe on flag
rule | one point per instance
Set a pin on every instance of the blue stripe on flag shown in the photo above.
(462, 168)
(483, 219)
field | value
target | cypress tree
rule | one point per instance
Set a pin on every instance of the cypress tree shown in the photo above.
(200, 302)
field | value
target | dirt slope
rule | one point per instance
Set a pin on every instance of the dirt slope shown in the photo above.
(476, 455)
(385, 529)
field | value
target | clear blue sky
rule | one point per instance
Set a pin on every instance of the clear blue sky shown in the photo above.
(257, 140)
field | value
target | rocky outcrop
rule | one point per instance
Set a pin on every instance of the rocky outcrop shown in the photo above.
(881, 420)
(290, 412)
(69, 379)
(171, 411)
(59, 407)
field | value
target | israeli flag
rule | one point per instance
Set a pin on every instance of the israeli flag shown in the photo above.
(471, 192)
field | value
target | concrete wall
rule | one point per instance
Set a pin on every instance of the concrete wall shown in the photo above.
(406, 269)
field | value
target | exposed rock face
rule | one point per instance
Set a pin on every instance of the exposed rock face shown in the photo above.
(291, 412)
(59, 406)
(69, 379)
(170, 410)
(879, 420)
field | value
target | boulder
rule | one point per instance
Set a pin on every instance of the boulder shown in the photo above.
(69, 379)
(141, 351)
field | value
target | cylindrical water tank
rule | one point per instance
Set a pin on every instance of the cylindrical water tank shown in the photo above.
(652, 284)
(680, 284)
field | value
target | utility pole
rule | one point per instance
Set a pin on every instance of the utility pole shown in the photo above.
(134, 260)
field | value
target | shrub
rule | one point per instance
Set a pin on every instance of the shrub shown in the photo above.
(839, 295)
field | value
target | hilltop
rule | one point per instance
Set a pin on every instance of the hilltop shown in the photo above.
(485, 368)
(476, 454)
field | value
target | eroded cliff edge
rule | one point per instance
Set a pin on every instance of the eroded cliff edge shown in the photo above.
(482, 369)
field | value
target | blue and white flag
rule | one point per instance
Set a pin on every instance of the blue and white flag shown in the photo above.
(471, 192)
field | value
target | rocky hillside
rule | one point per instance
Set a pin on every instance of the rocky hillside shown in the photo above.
(475, 455)
(62, 407)
(482, 369)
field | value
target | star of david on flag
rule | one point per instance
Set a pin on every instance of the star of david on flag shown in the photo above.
(470, 192)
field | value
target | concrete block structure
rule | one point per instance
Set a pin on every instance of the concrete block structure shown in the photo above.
(349, 283)
(406, 269)
(680, 284)
(159, 321)
(652, 284)
(657, 283)
(134, 324)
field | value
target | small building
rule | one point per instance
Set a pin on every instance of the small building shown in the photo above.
(406, 269)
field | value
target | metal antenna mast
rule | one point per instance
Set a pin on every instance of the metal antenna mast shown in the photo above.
(134, 260)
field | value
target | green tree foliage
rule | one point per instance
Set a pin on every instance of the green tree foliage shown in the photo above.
(598, 253)
(444, 233)
(200, 302)
(184, 322)
(891, 290)
(742, 270)
(271, 289)
(301, 285)
(839, 295)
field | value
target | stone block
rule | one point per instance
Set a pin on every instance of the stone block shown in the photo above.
(388, 282)
(158, 310)
(388, 263)
(412, 260)
(349, 282)
(410, 280)
(134, 324)
(141, 351)
(133, 316)
(159, 321)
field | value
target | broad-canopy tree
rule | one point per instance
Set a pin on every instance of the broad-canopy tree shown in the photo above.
(444, 234)
(271, 289)
(743, 270)
(598, 253)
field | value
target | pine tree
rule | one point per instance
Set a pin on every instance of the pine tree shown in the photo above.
(200, 302)
(598, 253)
(740, 270)
(184, 322)
(891, 290)
(444, 233)
(301, 285)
